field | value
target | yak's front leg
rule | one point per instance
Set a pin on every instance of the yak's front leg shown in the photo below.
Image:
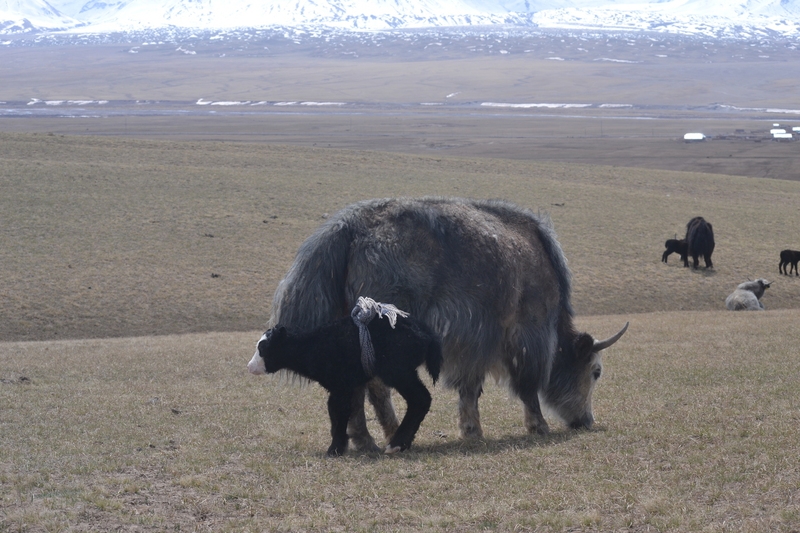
(357, 427)
(534, 420)
(524, 383)
(469, 418)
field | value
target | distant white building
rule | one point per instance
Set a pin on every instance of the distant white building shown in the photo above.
(775, 131)
(782, 136)
(796, 128)
(694, 137)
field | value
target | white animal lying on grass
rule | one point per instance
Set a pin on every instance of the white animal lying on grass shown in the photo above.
(747, 296)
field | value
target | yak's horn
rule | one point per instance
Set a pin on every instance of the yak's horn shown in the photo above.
(602, 345)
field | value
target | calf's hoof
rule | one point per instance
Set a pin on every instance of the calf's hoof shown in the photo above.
(398, 444)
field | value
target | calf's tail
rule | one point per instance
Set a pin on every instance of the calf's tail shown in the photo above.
(433, 360)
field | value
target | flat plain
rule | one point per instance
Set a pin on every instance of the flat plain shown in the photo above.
(140, 250)
(616, 99)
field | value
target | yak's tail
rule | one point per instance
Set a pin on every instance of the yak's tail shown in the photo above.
(313, 291)
(433, 359)
(701, 235)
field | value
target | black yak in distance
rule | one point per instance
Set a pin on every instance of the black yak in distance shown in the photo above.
(699, 242)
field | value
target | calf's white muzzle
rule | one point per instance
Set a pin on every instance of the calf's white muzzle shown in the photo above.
(256, 365)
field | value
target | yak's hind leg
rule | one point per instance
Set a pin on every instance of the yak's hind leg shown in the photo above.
(357, 426)
(418, 399)
(380, 396)
(469, 418)
(339, 407)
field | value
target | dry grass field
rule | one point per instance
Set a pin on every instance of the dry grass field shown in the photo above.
(697, 430)
(140, 250)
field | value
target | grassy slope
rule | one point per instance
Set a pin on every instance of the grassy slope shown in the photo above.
(110, 237)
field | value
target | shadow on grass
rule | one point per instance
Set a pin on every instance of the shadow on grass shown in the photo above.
(703, 271)
(482, 446)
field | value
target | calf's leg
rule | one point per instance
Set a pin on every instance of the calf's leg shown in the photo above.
(419, 403)
(339, 408)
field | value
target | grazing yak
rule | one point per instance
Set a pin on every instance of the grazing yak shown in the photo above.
(488, 277)
(333, 356)
(747, 296)
(699, 242)
(676, 246)
(787, 257)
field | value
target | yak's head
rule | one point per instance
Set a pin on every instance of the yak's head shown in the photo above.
(575, 373)
(264, 360)
(757, 287)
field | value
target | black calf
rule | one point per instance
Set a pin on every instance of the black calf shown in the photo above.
(677, 246)
(787, 257)
(331, 356)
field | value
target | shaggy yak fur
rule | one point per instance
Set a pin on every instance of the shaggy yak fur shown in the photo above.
(677, 246)
(789, 256)
(488, 277)
(331, 356)
(747, 296)
(699, 242)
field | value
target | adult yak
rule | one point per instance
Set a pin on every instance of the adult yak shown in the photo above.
(488, 277)
(699, 242)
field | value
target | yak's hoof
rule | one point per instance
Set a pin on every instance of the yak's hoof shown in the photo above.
(393, 449)
(365, 444)
(336, 452)
(471, 432)
(541, 429)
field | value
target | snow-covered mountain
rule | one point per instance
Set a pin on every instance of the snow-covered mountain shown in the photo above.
(707, 17)
(32, 15)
